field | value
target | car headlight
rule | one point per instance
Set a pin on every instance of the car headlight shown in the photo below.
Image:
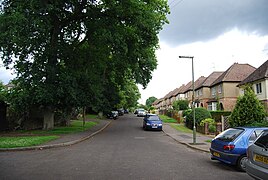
(148, 124)
(159, 124)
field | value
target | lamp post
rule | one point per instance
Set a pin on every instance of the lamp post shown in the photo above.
(193, 97)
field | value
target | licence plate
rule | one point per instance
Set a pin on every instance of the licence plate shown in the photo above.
(154, 126)
(216, 154)
(260, 158)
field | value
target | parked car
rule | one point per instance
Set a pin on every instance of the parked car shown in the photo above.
(120, 112)
(152, 122)
(112, 115)
(231, 145)
(257, 153)
(141, 113)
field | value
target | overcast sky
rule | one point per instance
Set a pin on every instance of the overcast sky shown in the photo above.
(217, 33)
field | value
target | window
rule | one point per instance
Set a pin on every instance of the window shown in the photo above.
(212, 106)
(229, 135)
(220, 89)
(258, 88)
(213, 91)
(254, 135)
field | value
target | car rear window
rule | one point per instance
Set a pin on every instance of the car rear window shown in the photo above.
(153, 118)
(229, 135)
(263, 140)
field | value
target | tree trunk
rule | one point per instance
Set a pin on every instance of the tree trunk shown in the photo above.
(84, 116)
(48, 119)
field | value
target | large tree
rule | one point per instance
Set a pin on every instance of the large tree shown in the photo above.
(69, 53)
(150, 101)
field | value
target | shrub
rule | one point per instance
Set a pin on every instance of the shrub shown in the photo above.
(200, 114)
(248, 110)
(207, 120)
(212, 128)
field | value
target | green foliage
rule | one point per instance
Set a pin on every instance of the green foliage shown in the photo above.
(212, 128)
(248, 110)
(207, 120)
(80, 53)
(13, 142)
(150, 101)
(182, 128)
(3, 92)
(167, 119)
(180, 105)
(186, 112)
(200, 114)
(211, 124)
(263, 123)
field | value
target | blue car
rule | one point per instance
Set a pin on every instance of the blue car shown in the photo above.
(231, 145)
(152, 122)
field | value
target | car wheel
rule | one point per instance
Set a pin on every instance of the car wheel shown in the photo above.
(241, 163)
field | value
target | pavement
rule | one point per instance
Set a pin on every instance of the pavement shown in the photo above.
(187, 138)
(71, 139)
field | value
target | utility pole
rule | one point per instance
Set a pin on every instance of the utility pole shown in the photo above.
(193, 96)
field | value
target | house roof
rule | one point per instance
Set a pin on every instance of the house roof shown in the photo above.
(260, 73)
(188, 87)
(210, 79)
(199, 81)
(235, 73)
(157, 101)
(178, 90)
(168, 95)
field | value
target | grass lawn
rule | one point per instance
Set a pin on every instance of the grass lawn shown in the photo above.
(90, 116)
(167, 119)
(26, 141)
(45, 136)
(76, 126)
(181, 127)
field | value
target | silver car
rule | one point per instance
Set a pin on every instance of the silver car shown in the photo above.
(257, 163)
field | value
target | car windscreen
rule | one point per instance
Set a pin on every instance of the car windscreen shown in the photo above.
(230, 134)
(262, 140)
(153, 118)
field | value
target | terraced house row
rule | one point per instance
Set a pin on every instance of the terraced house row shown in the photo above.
(220, 87)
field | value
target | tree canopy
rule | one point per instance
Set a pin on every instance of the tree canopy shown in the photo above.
(75, 53)
(150, 101)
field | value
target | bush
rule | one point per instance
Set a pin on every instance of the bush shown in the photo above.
(207, 120)
(212, 128)
(248, 110)
(264, 123)
(200, 114)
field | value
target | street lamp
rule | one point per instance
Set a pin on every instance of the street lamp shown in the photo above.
(193, 97)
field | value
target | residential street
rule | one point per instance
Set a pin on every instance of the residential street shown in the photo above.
(121, 151)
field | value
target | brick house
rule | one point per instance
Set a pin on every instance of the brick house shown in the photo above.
(224, 89)
(202, 90)
(259, 81)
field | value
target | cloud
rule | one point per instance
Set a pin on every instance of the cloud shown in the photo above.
(195, 20)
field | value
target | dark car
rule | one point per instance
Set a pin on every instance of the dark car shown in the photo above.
(152, 122)
(112, 115)
(120, 112)
(257, 153)
(231, 145)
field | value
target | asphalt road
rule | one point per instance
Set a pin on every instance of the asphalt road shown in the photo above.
(122, 151)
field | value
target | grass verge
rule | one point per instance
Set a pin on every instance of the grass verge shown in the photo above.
(167, 119)
(12, 142)
(41, 136)
(181, 127)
